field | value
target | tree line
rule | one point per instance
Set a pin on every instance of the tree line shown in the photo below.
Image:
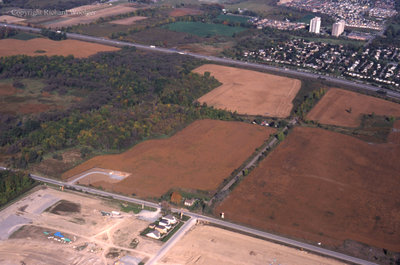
(128, 96)
(13, 184)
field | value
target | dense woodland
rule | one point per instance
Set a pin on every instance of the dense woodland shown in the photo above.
(12, 184)
(127, 96)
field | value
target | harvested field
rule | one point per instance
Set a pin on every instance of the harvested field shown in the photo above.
(345, 108)
(128, 20)
(213, 246)
(326, 187)
(79, 49)
(70, 20)
(180, 12)
(198, 157)
(250, 92)
(10, 19)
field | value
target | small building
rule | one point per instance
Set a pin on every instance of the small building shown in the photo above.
(154, 234)
(161, 229)
(170, 218)
(189, 202)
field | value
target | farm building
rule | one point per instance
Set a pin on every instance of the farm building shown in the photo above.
(189, 202)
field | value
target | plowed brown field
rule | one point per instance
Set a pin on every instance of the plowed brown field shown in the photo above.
(79, 49)
(345, 108)
(324, 187)
(128, 20)
(82, 18)
(198, 157)
(250, 92)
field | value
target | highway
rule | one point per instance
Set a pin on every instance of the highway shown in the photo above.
(239, 228)
(273, 69)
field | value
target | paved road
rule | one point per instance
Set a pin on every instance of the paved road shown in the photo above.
(279, 70)
(240, 228)
(84, 175)
(172, 241)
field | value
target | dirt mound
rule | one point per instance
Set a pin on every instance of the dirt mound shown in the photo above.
(324, 187)
(198, 157)
(250, 92)
(345, 108)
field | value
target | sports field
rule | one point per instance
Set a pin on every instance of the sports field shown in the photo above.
(250, 92)
(204, 29)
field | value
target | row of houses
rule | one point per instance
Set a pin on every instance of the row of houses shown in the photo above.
(163, 226)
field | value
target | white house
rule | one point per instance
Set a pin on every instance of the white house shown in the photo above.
(154, 234)
(170, 218)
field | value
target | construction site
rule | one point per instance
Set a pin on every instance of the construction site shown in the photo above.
(51, 226)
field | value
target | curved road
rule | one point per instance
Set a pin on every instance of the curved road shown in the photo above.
(301, 74)
(240, 228)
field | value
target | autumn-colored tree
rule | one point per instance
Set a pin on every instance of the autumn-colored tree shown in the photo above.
(176, 197)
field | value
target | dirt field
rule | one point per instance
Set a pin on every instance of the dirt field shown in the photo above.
(180, 12)
(70, 20)
(250, 92)
(79, 49)
(7, 89)
(78, 217)
(128, 20)
(10, 19)
(213, 246)
(198, 157)
(324, 187)
(345, 108)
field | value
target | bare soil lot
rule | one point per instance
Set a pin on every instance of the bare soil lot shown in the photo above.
(128, 20)
(42, 46)
(213, 246)
(326, 187)
(82, 18)
(345, 108)
(78, 217)
(198, 157)
(250, 92)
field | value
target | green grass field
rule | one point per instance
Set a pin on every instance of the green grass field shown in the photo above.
(231, 18)
(25, 36)
(306, 19)
(203, 29)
